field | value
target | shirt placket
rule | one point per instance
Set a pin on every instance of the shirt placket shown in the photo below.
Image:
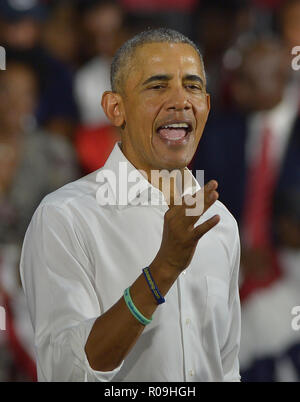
(187, 324)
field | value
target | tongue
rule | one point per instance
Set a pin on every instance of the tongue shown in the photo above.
(172, 133)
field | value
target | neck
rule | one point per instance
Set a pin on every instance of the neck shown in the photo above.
(163, 179)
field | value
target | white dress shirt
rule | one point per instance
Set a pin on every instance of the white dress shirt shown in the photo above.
(78, 257)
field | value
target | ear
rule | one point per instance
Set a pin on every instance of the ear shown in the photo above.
(207, 106)
(112, 105)
(208, 103)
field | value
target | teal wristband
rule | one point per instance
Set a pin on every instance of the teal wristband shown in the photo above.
(134, 311)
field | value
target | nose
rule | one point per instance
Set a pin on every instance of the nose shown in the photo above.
(178, 100)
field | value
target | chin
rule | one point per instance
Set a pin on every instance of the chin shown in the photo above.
(172, 164)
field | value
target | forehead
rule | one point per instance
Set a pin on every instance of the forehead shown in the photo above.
(165, 58)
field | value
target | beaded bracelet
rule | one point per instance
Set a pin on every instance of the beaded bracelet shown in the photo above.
(152, 285)
(134, 311)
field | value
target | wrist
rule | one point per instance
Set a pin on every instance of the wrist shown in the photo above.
(164, 272)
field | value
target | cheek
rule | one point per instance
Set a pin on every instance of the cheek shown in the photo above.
(201, 114)
(142, 116)
(139, 121)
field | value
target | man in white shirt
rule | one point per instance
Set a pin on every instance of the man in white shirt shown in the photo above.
(85, 246)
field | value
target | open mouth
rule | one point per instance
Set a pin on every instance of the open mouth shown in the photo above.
(174, 131)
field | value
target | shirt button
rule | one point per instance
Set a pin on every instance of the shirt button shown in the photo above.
(191, 373)
(188, 321)
(184, 272)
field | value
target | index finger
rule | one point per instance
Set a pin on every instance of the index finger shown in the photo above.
(201, 200)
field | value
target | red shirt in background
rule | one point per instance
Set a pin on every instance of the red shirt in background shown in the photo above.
(93, 146)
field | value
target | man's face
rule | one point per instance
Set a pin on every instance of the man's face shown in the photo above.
(18, 93)
(103, 25)
(23, 34)
(166, 106)
(291, 25)
(262, 79)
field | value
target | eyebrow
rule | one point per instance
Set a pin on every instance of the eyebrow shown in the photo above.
(158, 77)
(166, 77)
(194, 77)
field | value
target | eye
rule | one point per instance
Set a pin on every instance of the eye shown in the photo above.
(194, 87)
(158, 86)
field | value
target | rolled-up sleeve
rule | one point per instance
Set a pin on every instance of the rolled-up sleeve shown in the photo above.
(58, 281)
(230, 351)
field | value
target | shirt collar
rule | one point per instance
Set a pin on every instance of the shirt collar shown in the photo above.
(127, 186)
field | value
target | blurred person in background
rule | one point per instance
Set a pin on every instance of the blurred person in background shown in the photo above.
(253, 151)
(289, 22)
(217, 27)
(102, 22)
(103, 30)
(174, 14)
(289, 26)
(270, 346)
(20, 33)
(32, 163)
(60, 34)
(246, 150)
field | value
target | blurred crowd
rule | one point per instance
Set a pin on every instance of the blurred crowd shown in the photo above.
(53, 131)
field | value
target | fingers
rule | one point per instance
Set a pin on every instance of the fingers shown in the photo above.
(205, 227)
(193, 207)
(208, 193)
(197, 205)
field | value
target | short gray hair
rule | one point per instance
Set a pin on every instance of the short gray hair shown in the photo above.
(126, 51)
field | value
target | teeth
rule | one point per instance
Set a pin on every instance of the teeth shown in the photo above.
(177, 125)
